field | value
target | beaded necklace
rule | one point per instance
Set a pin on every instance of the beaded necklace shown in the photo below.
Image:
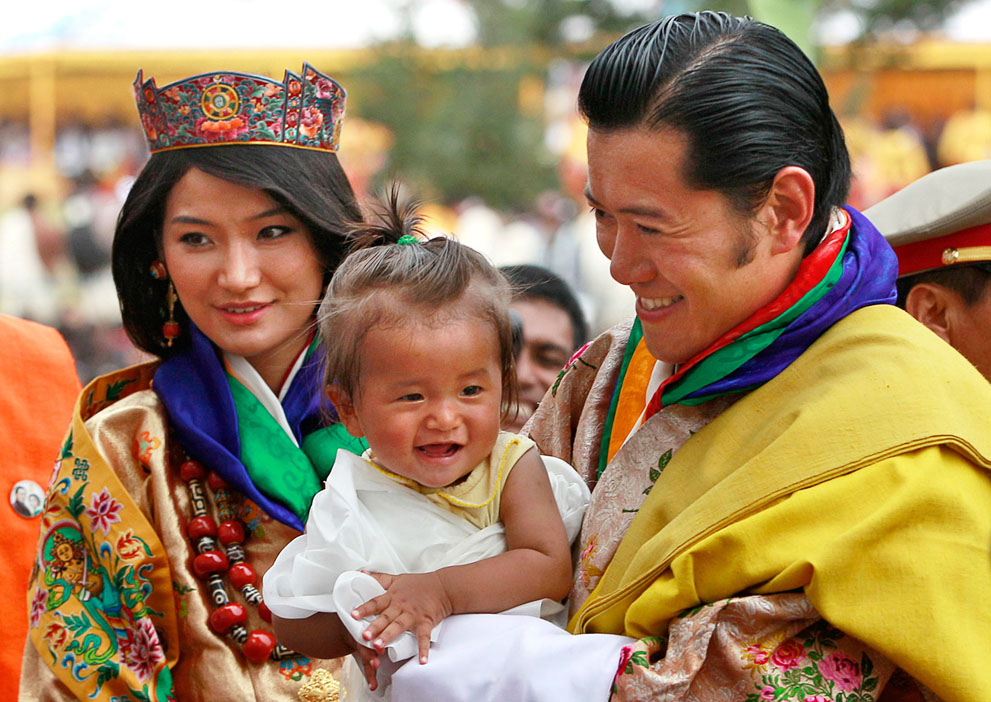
(211, 562)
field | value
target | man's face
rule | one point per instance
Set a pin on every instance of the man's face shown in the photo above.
(697, 267)
(548, 338)
(969, 329)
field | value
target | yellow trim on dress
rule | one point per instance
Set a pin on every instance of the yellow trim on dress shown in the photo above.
(403, 480)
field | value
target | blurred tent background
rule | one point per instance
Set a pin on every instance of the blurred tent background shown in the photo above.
(470, 103)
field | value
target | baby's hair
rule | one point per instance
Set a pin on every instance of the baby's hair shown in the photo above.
(385, 283)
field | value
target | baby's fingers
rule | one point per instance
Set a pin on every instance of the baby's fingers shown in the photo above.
(390, 632)
(374, 606)
(380, 623)
(369, 663)
(423, 641)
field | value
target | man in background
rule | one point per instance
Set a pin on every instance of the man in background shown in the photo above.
(940, 227)
(554, 328)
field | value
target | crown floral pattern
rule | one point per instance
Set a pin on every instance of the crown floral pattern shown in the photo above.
(239, 108)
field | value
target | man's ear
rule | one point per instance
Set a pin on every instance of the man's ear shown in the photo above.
(929, 303)
(345, 410)
(788, 208)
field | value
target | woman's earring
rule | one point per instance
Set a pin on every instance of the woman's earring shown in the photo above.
(170, 330)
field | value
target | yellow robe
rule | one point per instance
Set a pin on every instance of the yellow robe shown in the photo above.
(860, 474)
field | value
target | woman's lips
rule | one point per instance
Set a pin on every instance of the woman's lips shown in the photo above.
(244, 313)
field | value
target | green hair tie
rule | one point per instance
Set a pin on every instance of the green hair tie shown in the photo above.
(407, 239)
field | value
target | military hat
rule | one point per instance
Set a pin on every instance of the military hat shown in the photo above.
(943, 219)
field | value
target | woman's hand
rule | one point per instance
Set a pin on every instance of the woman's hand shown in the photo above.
(414, 603)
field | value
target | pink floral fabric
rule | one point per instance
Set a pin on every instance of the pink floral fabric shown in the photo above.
(754, 648)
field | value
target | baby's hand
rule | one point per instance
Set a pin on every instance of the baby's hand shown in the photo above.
(414, 603)
(370, 662)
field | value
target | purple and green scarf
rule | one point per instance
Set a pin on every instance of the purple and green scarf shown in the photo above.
(220, 423)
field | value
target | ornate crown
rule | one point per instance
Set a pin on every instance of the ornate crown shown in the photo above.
(239, 108)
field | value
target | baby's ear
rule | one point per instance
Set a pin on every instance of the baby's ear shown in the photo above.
(345, 410)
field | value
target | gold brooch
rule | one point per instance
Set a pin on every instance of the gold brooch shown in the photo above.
(321, 687)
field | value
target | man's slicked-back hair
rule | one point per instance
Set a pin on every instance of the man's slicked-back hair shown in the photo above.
(748, 99)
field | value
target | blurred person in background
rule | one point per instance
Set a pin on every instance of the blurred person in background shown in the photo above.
(183, 478)
(553, 328)
(26, 242)
(940, 228)
(40, 386)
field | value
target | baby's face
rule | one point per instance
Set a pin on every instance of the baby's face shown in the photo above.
(429, 398)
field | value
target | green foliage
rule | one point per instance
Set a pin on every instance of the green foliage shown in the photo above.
(458, 128)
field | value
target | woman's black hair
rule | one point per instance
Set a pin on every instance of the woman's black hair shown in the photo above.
(750, 102)
(310, 184)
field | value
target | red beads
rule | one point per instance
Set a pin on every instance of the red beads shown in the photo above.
(170, 330)
(192, 470)
(223, 618)
(259, 646)
(242, 574)
(231, 533)
(199, 527)
(221, 550)
(210, 562)
(215, 481)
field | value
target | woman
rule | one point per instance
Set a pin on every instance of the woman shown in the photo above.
(181, 479)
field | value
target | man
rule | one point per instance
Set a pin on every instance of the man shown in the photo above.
(553, 329)
(792, 497)
(19, 501)
(40, 386)
(940, 228)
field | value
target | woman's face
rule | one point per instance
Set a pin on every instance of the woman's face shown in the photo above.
(244, 269)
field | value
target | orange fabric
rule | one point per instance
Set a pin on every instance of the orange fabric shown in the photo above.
(632, 396)
(39, 388)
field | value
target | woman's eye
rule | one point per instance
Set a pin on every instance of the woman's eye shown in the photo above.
(647, 230)
(274, 232)
(194, 239)
(411, 397)
(597, 213)
(471, 390)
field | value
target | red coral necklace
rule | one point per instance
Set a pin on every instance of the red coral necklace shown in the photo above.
(211, 563)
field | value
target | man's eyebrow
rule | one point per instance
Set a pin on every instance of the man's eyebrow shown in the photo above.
(641, 211)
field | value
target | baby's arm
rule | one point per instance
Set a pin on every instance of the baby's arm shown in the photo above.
(536, 564)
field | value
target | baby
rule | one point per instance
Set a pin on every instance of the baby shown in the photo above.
(444, 513)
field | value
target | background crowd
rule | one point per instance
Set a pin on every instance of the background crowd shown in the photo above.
(495, 150)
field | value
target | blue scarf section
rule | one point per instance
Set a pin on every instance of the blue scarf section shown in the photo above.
(193, 386)
(870, 268)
